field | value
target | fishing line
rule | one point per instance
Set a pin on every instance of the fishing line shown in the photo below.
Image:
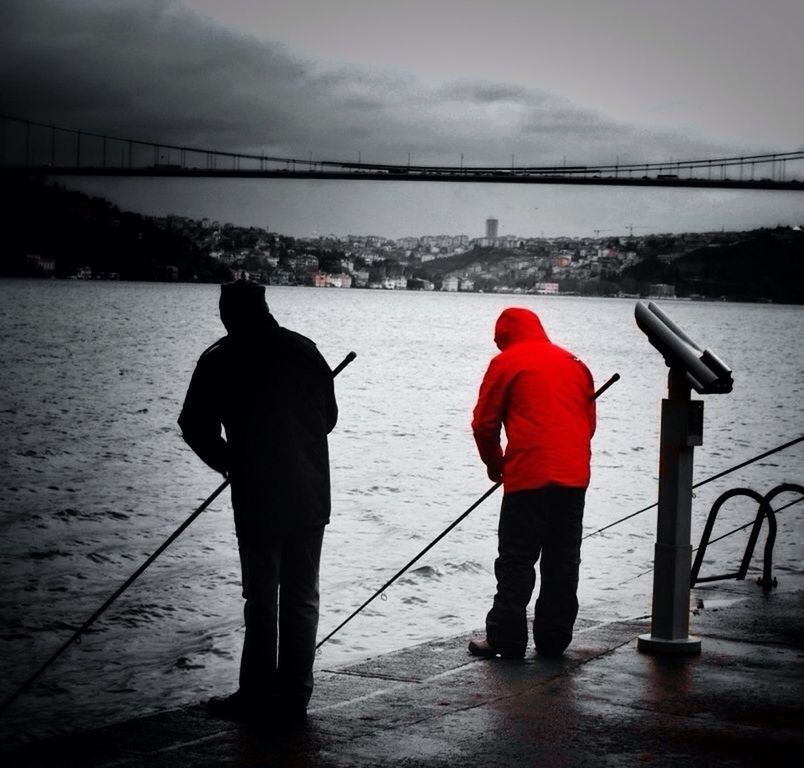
(405, 567)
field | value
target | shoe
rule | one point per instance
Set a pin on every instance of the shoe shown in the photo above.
(291, 714)
(485, 650)
(481, 648)
(229, 707)
(550, 653)
(235, 707)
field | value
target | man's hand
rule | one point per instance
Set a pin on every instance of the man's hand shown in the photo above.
(494, 473)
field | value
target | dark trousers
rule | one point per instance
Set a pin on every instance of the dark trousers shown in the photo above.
(280, 585)
(547, 523)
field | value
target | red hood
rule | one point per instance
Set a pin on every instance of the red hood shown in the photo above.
(516, 325)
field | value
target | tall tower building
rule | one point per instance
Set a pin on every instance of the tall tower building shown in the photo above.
(491, 227)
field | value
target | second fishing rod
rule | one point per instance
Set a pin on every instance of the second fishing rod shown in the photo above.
(453, 524)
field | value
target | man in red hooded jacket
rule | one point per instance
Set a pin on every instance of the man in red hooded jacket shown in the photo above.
(544, 398)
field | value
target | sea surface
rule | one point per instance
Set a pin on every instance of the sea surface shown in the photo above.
(95, 476)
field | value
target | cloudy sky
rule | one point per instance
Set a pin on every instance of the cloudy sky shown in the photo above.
(581, 80)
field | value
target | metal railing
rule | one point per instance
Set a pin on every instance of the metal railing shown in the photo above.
(764, 510)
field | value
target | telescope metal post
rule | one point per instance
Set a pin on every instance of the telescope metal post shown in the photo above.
(681, 431)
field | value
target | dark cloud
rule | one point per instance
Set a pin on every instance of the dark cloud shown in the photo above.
(150, 69)
(488, 93)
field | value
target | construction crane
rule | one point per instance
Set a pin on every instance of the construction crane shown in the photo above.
(632, 227)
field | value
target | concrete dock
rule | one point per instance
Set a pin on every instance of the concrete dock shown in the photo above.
(740, 703)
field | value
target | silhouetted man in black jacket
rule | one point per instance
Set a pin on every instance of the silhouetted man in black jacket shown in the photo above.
(272, 392)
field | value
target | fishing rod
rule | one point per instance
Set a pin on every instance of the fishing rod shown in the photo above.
(76, 636)
(720, 538)
(453, 524)
(725, 472)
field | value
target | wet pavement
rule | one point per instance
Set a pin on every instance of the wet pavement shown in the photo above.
(740, 703)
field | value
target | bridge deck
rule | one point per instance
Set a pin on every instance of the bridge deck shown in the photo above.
(490, 177)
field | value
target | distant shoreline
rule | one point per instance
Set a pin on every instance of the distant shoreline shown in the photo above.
(559, 295)
(54, 232)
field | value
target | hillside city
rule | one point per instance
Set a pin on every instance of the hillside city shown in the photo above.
(429, 262)
(55, 232)
(491, 263)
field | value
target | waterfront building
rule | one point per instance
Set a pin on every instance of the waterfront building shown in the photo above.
(281, 276)
(341, 280)
(44, 264)
(661, 291)
(547, 288)
(419, 284)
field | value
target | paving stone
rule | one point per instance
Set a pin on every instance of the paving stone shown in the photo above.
(739, 703)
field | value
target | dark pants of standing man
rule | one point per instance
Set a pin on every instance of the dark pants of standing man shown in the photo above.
(280, 585)
(546, 522)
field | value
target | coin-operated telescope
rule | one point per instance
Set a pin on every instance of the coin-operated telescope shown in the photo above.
(682, 429)
(703, 370)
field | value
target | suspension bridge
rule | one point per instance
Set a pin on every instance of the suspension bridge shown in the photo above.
(29, 147)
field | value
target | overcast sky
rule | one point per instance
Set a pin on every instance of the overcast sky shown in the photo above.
(581, 80)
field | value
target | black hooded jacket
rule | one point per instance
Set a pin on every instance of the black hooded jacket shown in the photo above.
(272, 392)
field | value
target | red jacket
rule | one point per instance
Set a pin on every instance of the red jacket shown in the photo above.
(544, 397)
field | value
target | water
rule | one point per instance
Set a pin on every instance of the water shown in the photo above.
(96, 476)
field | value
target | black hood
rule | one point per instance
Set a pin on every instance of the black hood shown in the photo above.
(243, 308)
